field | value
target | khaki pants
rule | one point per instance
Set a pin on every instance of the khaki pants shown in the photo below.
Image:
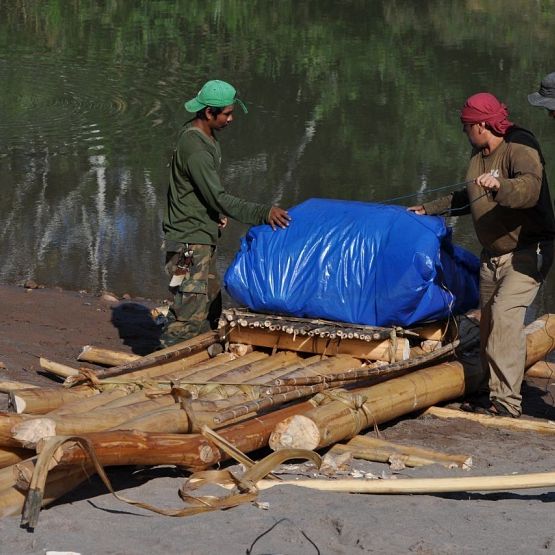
(508, 285)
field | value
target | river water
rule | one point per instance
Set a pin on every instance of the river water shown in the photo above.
(352, 100)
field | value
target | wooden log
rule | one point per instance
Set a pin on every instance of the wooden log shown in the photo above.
(7, 421)
(61, 370)
(366, 350)
(500, 422)
(131, 447)
(379, 450)
(543, 331)
(43, 400)
(190, 451)
(434, 331)
(9, 386)
(13, 455)
(93, 402)
(345, 418)
(106, 357)
(541, 369)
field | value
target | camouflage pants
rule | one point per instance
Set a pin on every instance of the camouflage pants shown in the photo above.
(197, 303)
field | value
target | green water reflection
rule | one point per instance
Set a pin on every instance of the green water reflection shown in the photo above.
(352, 99)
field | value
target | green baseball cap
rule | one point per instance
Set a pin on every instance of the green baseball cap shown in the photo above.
(216, 94)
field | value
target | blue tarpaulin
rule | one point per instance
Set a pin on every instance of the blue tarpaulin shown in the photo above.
(355, 262)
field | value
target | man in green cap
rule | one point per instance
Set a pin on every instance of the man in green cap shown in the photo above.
(197, 208)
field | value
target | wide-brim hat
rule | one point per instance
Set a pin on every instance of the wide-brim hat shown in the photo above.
(216, 94)
(545, 97)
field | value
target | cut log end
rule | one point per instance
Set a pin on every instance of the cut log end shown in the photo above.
(295, 432)
(17, 403)
(30, 432)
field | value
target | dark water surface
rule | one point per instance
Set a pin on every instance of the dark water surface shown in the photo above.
(347, 99)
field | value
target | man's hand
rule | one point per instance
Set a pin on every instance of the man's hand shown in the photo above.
(488, 182)
(223, 222)
(278, 217)
(418, 209)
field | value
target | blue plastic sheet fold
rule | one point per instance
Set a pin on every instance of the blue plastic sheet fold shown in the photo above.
(355, 262)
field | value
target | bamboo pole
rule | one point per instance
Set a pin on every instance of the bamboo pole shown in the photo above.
(9, 386)
(422, 485)
(44, 400)
(57, 369)
(248, 372)
(106, 357)
(13, 455)
(500, 422)
(367, 350)
(30, 431)
(170, 354)
(379, 450)
(335, 420)
(541, 369)
(298, 365)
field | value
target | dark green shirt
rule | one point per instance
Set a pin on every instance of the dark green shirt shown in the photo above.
(196, 197)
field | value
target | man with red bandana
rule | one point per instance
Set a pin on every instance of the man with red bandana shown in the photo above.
(508, 198)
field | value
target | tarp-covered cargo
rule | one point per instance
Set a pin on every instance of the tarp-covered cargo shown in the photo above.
(355, 262)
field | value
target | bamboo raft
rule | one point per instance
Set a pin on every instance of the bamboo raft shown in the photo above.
(277, 381)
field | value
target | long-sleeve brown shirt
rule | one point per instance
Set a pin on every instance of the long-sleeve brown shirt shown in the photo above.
(520, 213)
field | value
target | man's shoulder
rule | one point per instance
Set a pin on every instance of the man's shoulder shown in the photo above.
(521, 136)
(191, 142)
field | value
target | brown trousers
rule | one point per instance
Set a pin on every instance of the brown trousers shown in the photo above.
(508, 285)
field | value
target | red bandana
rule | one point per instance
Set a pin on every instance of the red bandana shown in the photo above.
(485, 108)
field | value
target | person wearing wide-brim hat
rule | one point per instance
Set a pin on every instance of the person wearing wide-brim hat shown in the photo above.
(545, 97)
(196, 210)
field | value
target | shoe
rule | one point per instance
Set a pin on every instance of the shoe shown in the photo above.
(494, 408)
(476, 402)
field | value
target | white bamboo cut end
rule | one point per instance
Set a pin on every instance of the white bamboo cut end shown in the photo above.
(295, 432)
(30, 432)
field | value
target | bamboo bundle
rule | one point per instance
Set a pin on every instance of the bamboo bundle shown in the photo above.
(302, 326)
(386, 350)
(335, 420)
(44, 400)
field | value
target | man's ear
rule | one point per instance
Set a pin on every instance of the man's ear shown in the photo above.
(208, 113)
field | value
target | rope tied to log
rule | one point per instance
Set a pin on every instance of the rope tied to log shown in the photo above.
(393, 345)
(360, 411)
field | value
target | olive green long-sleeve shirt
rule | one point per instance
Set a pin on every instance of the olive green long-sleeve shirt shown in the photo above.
(520, 213)
(196, 197)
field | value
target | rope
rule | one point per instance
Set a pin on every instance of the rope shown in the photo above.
(427, 192)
